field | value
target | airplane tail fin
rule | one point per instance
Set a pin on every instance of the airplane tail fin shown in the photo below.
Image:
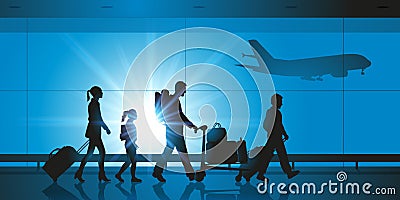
(264, 54)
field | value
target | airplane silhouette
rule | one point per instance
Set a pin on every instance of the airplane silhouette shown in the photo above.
(308, 68)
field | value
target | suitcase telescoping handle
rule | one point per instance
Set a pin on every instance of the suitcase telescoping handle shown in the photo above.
(83, 146)
(79, 150)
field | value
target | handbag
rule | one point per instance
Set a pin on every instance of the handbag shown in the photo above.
(216, 134)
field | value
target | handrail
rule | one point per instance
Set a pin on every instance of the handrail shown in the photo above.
(38, 158)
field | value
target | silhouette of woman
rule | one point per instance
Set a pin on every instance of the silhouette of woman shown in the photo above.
(130, 138)
(93, 132)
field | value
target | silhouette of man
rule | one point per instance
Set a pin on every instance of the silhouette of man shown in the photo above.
(174, 119)
(276, 131)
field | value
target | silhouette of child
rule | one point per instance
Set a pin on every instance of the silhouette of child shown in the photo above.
(130, 145)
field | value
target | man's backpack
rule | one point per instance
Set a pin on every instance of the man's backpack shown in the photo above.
(158, 109)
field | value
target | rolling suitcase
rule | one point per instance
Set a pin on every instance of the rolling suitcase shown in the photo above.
(62, 160)
(257, 158)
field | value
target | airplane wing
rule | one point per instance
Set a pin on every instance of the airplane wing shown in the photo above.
(258, 58)
(258, 51)
(254, 68)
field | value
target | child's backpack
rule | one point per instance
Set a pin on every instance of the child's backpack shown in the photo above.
(124, 133)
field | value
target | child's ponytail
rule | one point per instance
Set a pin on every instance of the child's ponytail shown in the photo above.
(124, 114)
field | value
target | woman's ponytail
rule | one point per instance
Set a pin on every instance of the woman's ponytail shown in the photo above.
(87, 95)
(94, 91)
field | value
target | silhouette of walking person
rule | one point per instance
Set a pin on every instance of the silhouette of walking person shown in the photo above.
(275, 141)
(174, 119)
(93, 132)
(130, 138)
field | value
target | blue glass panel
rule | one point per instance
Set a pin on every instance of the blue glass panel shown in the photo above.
(371, 122)
(59, 118)
(13, 122)
(14, 61)
(378, 40)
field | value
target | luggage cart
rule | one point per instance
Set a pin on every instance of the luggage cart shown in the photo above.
(206, 165)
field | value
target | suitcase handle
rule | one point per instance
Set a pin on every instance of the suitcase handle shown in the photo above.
(51, 153)
(217, 125)
(83, 146)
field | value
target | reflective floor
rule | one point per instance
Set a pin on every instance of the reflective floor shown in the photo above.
(30, 183)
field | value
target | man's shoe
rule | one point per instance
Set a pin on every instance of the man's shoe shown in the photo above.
(190, 176)
(292, 174)
(247, 178)
(262, 178)
(159, 177)
(136, 180)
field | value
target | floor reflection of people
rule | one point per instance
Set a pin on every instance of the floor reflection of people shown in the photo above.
(248, 191)
(188, 191)
(100, 195)
(81, 191)
(55, 191)
(245, 192)
(102, 188)
(159, 190)
(129, 195)
(199, 186)
(216, 194)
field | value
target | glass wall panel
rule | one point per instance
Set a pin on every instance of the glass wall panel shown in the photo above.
(13, 122)
(377, 40)
(337, 76)
(299, 54)
(59, 118)
(371, 125)
(13, 55)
